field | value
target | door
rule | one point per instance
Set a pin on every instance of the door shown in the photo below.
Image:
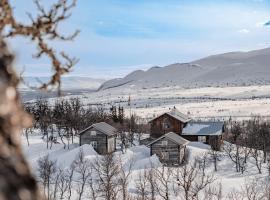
(111, 144)
(94, 144)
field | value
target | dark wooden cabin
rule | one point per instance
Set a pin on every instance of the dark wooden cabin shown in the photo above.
(205, 132)
(177, 122)
(173, 121)
(101, 136)
(170, 148)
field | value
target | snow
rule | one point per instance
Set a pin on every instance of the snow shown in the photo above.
(66, 158)
(68, 82)
(140, 156)
(194, 128)
(233, 69)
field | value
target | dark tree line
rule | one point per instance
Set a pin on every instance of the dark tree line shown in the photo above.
(248, 139)
(65, 118)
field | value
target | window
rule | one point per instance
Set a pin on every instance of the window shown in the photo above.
(165, 155)
(94, 144)
(166, 126)
(93, 133)
(166, 123)
(164, 142)
(202, 139)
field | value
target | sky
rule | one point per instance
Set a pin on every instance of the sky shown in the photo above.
(119, 36)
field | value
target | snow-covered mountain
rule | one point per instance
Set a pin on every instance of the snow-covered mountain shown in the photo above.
(68, 83)
(229, 69)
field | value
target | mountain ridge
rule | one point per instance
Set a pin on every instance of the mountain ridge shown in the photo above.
(226, 69)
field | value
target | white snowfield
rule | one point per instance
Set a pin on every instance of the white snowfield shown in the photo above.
(140, 156)
(196, 103)
(68, 83)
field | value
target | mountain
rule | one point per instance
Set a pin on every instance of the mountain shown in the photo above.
(228, 69)
(68, 83)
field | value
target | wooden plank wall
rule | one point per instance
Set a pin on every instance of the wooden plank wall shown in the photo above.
(157, 129)
(175, 152)
(86, 138)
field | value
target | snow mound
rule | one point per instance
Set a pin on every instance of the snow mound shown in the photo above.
(66, 159)
(197, 149)
(140, 156)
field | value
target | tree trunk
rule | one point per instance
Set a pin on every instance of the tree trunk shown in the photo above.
(16, 181)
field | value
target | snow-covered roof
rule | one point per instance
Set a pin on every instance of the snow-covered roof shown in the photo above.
(173, 137)
(102, 127)
(177, 115)
(203, 128)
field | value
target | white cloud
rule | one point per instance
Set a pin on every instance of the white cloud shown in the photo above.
(244, 31)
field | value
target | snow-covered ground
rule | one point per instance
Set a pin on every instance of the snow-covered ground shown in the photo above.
(226, 174)
(197, 102)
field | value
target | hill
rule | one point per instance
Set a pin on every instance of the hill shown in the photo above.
(228, 69)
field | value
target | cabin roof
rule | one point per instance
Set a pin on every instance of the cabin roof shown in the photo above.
(175, 114)
(102, 127)
(173, 137)
(203, 128)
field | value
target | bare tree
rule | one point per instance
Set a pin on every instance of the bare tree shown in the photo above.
(193, 180)
(70, 175)
(152, 183)
(16, 181)
(46, 170)
(213, 193)
(235, 195)
(235, 153)
(163, 177)
(259, 159)
(56, 180)
(124, 175)
(82, 168)
(141, 186)
(253, 189)
(93, 185)
(62, 183)
(268, 166)
(215, 157)
(107, 170)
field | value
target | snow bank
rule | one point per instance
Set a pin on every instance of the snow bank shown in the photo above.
(68, 157)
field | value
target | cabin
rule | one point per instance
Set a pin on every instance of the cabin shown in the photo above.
(172, 121)
(205, 132)
(101, 136)
(170, 148)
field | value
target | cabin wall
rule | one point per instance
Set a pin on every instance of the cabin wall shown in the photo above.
(214, 140)
(111, 144)
(100, 139)
(169, 153)
(158, 129)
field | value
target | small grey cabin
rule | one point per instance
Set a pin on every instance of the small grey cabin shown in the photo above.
(101, 136)
(170, 148)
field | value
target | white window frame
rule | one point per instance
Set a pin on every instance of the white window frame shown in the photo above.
(164, 142)
(202, 139)
(165, 155)
(93, 133)
(94, 144)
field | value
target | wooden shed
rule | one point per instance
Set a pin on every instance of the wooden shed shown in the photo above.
(101, 136)
(205, 132)
(170, 148)
(172, 121)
